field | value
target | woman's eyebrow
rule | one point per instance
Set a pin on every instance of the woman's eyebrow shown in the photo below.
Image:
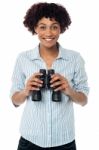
(46, 24)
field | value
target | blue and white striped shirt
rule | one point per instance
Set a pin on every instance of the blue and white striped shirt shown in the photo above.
(47, 123)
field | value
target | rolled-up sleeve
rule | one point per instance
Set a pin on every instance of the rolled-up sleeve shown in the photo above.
(80, 77)
(18, 77)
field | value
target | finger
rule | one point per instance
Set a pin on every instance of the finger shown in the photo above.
(32, 88)
(55, 78)
(59, 88)
(35, 89)
(37, 80)
(36, 84)
(55, 84)
(33, 84)
(63, 86)
(35, 75)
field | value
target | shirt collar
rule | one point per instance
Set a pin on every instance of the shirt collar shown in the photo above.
(34, 54)
(62, 53)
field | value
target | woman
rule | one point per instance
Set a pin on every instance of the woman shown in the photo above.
(47, 124)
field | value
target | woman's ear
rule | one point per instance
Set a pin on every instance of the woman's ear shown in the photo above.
(35, 29)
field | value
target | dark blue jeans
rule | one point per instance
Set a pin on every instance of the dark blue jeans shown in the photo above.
(26, 145)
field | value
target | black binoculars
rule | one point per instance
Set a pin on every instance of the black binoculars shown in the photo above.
(46, 78)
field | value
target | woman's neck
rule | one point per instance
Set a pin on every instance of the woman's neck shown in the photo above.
(49, 52)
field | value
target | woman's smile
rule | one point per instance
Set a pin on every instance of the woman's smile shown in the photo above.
(48, 31)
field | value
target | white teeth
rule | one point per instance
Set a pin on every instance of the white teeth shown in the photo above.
(48, 39)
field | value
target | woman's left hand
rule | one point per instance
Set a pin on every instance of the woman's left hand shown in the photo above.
(60, 83)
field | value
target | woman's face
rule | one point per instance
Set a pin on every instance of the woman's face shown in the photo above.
(48, 31)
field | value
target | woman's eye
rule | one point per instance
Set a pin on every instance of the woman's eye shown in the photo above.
(55, 27)
(42, 27)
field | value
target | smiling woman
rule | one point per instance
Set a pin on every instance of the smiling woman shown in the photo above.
(48, 31)
(47, 123)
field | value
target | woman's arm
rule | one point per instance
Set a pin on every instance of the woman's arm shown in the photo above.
(33, 83)
(77, 97)
(62, 84)
(19, 97)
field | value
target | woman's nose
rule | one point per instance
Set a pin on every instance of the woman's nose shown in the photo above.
(48, 31)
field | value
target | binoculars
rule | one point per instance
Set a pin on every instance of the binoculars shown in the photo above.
(46, 78)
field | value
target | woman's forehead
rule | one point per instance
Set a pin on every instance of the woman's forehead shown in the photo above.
(45, 20)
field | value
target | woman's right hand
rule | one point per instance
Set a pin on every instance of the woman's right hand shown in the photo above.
(33, 83)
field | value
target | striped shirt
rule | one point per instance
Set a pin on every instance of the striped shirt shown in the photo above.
(47, 123)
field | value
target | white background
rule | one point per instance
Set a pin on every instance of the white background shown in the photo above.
(82, 36)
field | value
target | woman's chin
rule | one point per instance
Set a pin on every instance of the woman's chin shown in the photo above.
(48, 45)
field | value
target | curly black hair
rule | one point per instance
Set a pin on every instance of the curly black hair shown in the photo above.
(48, 10)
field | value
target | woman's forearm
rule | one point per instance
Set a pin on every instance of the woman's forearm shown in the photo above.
(78, 97)
(19, 97)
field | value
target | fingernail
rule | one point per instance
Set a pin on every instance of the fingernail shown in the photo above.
(55, 90)
(51, 85)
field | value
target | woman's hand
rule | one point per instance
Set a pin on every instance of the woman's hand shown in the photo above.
(58, 82)
(33, 83)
